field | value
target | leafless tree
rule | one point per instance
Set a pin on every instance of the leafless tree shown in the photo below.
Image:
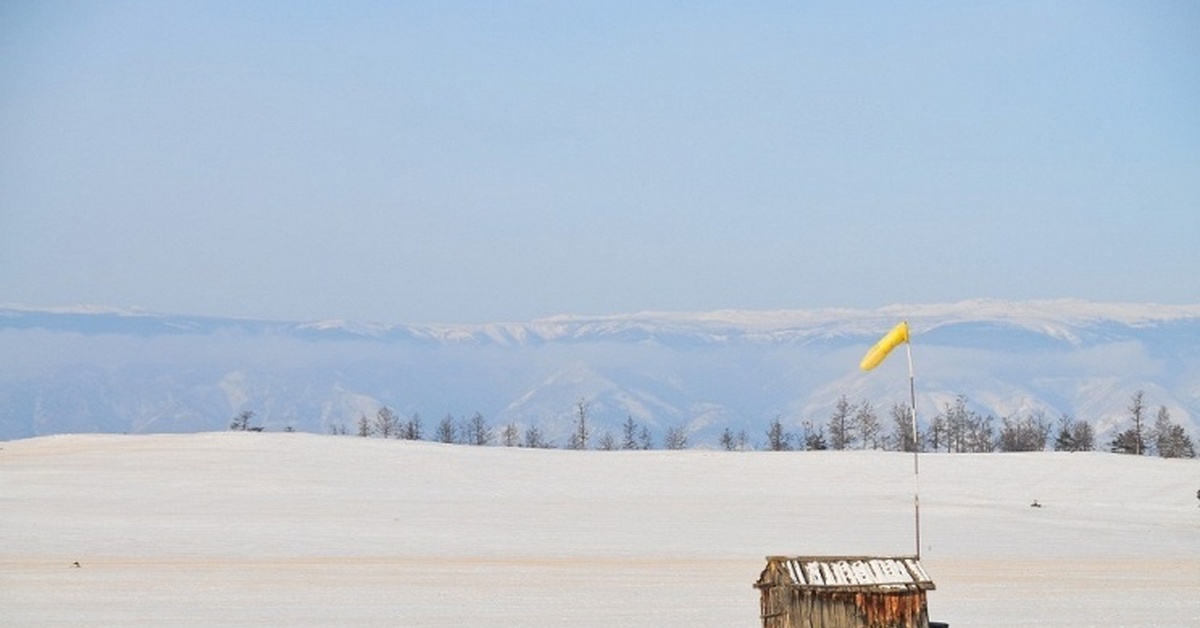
(675, 437)
(607, 442)
(1137, 411)
(779, 439)
(733, 442)
(535, 440)
(447, 430)
(903, 438)
(387, 423)
(867, 424)
(841, 424)
(412, 429)
(1024, 433)
(510, 435)
(241, 422)
(1074, 435)
(579, 440)
(629, 431)
(477, 432)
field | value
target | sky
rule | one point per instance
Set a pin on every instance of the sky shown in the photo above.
(484, 162)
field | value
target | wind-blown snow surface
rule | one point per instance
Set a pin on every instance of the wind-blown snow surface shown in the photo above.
(306, 530)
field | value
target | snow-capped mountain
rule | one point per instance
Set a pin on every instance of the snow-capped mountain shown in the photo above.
(110, 370)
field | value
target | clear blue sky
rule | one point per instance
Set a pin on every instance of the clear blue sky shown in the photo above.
(503, 161)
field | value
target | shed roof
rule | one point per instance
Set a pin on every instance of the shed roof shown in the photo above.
(857, 573)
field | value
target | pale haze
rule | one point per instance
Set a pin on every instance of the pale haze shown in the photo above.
(475, 162)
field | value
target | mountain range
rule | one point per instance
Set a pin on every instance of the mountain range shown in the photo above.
(99, 369)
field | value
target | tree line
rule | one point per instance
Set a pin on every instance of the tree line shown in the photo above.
(956, 428)
(475, 430)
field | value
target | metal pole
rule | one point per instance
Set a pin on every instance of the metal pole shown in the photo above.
(912, 392)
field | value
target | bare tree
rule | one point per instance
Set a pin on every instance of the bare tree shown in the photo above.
(387, 423)
(241, 422)
(1136, 411)
(608, 442)
(412, 429)
(841, 424)
(729, 442)
(510, 436)
(779, 439)
(675, 437)
(447, 430)
(579, 440)
(534, 438)
(867, 424)
(1133, 439)
(963, 429)
(903, 438)
(1024, 433)
(477, 431)
(645, 438)
(1074, 435)
(1083, 435)
(814, 437)
(937, 433)
(629, 431)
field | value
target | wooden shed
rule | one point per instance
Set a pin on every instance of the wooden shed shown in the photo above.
(844, 592)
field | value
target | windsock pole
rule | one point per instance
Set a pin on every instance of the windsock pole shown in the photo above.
(916, 445)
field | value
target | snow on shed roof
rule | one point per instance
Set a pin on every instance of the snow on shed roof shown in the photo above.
(857, 573)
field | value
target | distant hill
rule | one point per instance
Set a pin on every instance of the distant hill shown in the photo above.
(111, 370)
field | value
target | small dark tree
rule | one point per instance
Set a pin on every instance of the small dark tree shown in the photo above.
(510, 435)
(1024, 433)
(1065, 441)
(607, 442)
(778, 439)
(903, 438)
(645, 439)
(867, 424)
(956, 418)
(534, 438)
(981, 434)
(630, 434)
(675, 438)
(1074, 435)
(447, 430)
(1137, 411)
(412, 429)
(1170, 439)
(387, 423)
(841, 424)
(241, 422)
(1127, 442)
(1083, 436)
(364, 426)
(814, 437)
(579, 439)
(728, 442)
(478, 432)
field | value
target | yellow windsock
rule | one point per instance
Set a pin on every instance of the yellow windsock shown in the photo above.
(893, 339)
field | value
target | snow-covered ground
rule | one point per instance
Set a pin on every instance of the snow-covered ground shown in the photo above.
(306, 530)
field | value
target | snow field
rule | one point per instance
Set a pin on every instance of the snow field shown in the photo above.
(233, 529)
